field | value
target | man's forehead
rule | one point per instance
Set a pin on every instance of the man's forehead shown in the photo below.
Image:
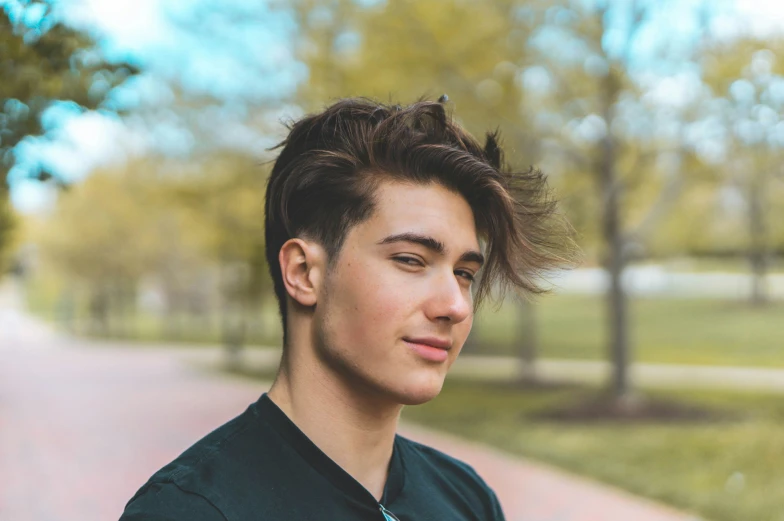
(425, 211)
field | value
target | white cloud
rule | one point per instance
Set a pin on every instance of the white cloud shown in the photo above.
(760, 18)
(30, 197)
(765, 17)
(87, 141)
(132, 24)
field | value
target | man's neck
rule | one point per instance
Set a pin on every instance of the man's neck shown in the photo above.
(354, 430)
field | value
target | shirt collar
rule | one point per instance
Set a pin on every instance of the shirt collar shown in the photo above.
(268, 411)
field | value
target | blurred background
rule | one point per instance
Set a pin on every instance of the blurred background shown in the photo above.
(134, 147)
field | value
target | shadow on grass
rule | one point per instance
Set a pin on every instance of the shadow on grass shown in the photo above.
(601, 406)
(567, 402)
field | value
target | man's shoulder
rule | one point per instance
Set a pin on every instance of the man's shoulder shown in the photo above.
(193, 485)
(166, 501)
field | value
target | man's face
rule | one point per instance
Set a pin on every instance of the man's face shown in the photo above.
(397, 305)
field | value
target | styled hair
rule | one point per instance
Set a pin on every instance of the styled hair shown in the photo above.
(324, 181)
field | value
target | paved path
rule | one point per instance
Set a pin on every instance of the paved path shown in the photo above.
(642, 374)
(579, 371)
(83, 425)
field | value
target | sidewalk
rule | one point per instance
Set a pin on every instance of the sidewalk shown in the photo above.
(83, 426)
(642, 374)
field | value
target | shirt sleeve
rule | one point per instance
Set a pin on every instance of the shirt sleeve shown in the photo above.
(497, 513)
(168, 502)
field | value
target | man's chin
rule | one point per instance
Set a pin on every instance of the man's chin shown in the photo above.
(419, 400)
(417, 395)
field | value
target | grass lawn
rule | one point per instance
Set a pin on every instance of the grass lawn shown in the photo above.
(723, 470)
(683, 331)
(43, 300)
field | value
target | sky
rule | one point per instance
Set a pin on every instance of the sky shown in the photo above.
(239, 53)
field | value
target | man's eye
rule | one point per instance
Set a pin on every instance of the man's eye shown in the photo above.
(466, 274)
(409, 261)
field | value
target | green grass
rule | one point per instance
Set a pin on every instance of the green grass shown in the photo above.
(44, 298)
(683, 331)
(190, 330)
(186, 329)
(727, 470)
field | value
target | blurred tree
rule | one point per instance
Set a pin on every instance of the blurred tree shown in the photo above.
(591, 112)
(103, 236)
(170, 223)
(747, 78)
(223, 196)
(41, 61)
(401, 51)
(7, 226)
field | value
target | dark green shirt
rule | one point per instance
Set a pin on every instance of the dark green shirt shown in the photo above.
(260, 466)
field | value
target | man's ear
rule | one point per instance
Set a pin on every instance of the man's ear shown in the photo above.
(302, 265)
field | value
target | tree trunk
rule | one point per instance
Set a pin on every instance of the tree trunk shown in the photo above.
(67, 308)
(614, 257)
(757, 253)
(233, 314)
(527, 340)
(234, 331)
(99, 311)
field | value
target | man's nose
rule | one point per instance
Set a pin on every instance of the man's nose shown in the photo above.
(450, 300)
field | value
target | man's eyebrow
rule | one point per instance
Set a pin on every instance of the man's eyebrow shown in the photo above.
(473, 256)
(432, 244)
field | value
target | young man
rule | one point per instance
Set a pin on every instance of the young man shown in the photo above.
(379, 220)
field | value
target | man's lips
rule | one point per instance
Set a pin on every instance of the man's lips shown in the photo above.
(438, 343)
(432, 349)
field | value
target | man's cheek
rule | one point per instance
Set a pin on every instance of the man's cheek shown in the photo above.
(391, 304)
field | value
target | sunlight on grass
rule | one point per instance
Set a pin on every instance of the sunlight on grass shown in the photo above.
(685, 331)
(725, 470)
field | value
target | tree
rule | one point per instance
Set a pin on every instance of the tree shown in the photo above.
(42, 61)
(472, 51)
(173, 222)
(599, 132)
(746, 78)
(222, 194)
(103, 237)
(7, 226)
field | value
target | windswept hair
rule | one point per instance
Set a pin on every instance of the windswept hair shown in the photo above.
(324, 182)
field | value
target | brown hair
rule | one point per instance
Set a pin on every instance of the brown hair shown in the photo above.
(324, 180)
